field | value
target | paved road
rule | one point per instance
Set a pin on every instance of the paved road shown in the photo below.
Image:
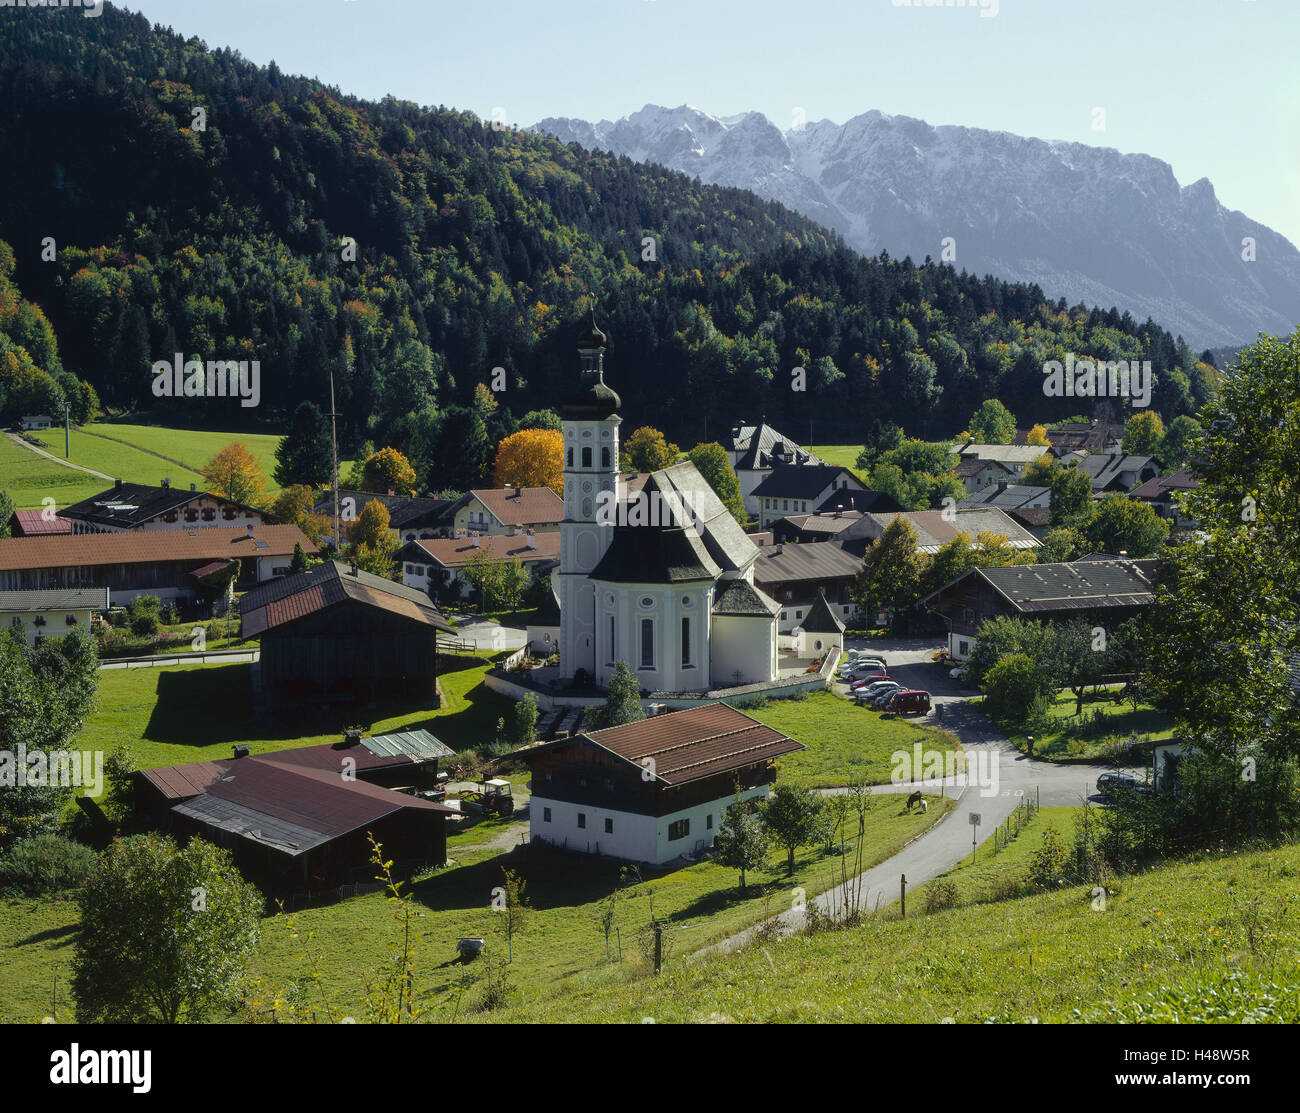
(1005, 773)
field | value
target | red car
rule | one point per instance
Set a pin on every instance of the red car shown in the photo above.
(867, 680)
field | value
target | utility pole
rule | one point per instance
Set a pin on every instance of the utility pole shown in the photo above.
(67, 430)
(334, 453)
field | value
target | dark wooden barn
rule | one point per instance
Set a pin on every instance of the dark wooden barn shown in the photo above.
(337, 635)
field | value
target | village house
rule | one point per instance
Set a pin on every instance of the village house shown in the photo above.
(35, 421)
(173, 564)
(437, 566)
(651, 791)
(801, 576)
(337, 635)
(303, 817)
(494, 512)
(1080, 436)
(1162, 493)
(1014, 457)
(135, 506)
(50, 614)
(1117, 471)
(976, 474)
(800, 489)
(935, 528)
(1100, 591)
(863, 500)
(753, 451)
(409, 517)
(1008, 497)
(800, 529)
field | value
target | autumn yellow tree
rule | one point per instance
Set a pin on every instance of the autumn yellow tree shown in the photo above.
(649, 450)
(371, 543)
(531, 458)
(234, 473)
(388, 470)
(1037, 435)
(296, 505)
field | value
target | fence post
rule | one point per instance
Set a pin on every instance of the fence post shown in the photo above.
(659, 945)
(902, 892)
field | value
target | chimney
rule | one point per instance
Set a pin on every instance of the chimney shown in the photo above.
(352, 736)
(193, 487)
(241, 749)
(355, 569)
(475, 536)
(1002, 485)
(250, 529)
(532, 539)
(166, 482)
(117, 485)
(391, 492)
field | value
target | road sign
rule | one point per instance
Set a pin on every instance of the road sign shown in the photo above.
(974, 819)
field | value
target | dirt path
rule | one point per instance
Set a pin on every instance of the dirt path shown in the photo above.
(50, 456)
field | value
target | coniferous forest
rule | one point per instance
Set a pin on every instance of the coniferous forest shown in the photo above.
(198, 203)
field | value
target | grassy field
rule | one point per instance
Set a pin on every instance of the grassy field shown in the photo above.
(562, 942)
(28, 478)
(165, 714)
(1087, 737)
(845, 742)
(1210, 939)
(844, 455)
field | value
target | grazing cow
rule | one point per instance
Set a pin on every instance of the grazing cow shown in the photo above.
(915, 798)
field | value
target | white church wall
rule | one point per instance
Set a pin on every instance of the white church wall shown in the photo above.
(744, 646)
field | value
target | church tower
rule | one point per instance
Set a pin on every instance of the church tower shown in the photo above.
(590, 418)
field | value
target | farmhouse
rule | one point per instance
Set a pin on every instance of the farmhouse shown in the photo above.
(436, 565)
(1014, 457)
(799, 489)
(1100, 591)
(36, 421)
(303, 816)
(49, 614)
(802, 528)
(977, 474)
(335, 634)
(801, 576)
(754, 450)
(508, 510)
(1117, 471)
(135, 506)
(1004, 496)
(654, 790)
(183, 564)
(1162, 494)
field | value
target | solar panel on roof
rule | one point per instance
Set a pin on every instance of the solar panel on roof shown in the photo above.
(259, 545)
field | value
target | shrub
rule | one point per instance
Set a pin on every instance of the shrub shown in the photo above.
(940, 894)
(1047, 863)
(1013, 685)
(46, 864)
(145, 625)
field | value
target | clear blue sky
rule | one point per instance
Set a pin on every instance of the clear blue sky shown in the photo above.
(1210, 86)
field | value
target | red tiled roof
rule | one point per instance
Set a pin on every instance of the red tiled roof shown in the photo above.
(147, 546)
(32, 523)
(522, 506)
(690, 745)
(454, 552)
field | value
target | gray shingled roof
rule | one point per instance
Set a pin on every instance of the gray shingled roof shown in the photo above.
(806, 481)
(821, 619)
(54, 599)
(738, 598)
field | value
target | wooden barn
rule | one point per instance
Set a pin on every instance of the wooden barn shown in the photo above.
(338, 635)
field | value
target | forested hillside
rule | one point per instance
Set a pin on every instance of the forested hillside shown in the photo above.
(225, 237)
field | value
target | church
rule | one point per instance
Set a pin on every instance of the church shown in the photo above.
(653, 570)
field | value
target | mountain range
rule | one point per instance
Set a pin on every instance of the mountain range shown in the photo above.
(1085, 223)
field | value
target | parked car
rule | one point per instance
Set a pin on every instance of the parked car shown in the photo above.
(875, 687)
(868, 696)
(958, 672)
(880, 699)
(857, 671)
(868, 680)
(856, 657)
(1112, 785)
(909, 701)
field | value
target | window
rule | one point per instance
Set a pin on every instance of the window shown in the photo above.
(586, 455)
(570, 457)
(228, 513)
(686, 642)
(191, 515)
(604, 456)
(582, 819)
(548, 774)
(609, 784)
(546, 815)
(647, 643)
(785, 615)
(963, 648)
(609, 826)
(708, 823)
(679, 829)
(610, 648)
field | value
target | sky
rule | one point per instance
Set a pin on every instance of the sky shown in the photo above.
(1210, 86)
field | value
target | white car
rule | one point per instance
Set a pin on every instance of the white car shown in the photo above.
(958, 672)
(873, 690)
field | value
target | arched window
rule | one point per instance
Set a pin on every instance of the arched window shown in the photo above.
(570, 455)
(586, 455)
(604, 456)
